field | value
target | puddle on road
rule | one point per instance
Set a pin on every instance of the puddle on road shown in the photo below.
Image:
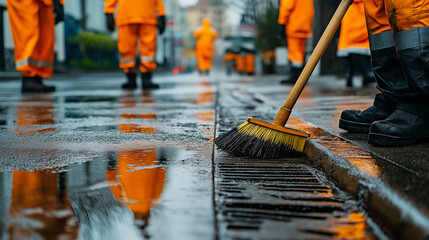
(111, 197)
(102, 188)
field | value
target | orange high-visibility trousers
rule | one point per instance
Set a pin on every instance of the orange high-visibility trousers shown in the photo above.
(127, 45)
(241, 63)
(32, 24)
(296, 51)
(353, 34)
(204, 54)
(250, 63)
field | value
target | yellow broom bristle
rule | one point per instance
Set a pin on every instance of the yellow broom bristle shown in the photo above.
(259, 139)
(266, 134)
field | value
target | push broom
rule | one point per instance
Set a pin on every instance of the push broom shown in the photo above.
(256, 138)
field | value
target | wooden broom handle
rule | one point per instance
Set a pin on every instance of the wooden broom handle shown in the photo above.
(284, 113)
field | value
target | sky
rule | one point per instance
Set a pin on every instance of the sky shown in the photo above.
(186, 3)
(233, 15)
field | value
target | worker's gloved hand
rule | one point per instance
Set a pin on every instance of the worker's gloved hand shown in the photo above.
(110, 22)
(161, 24)
(58, 11)
(282, 32)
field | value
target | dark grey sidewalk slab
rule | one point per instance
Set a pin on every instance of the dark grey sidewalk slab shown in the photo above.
(391, 182)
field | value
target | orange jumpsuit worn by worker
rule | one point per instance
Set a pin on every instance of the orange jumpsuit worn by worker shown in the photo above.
(353, 42)
(399, 43)
(296, 20)
(137, 20)
(250, 62)
(204, 47)
(32, 24)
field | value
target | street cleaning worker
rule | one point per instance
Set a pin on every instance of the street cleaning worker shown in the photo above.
(136, 20)
(353, 43)
(32, 24)
(204, 48)
(399, 43)
(231, 55)
(250, 62)
(296, 20)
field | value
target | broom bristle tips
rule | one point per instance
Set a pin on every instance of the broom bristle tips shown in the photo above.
(254, 140)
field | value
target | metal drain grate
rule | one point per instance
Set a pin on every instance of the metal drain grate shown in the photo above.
(269, 199)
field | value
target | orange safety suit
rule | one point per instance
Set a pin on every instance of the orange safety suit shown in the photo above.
(250, 63)
(398, 15)
(32, 24)
(136, 20)
(241, 63)
(204, 48)
(297, 16)
(353, 34)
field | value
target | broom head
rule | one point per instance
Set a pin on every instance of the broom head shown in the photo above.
(255, 138)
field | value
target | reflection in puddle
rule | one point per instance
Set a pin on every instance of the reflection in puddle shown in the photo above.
(129, 101)
(357, 157)
(31, 117)
(100, 199)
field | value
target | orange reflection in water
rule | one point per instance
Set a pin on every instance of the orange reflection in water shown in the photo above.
(35, 205)
(355, 229)
(130, 101)
(31, 116)
(139, 182)
(204, 98)
(357, 157)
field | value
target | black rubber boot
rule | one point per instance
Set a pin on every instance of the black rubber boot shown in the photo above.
(357, 121)
(35, 85)
(350, 71)
(293, 76)
(390, 81)
(147, 81)
(410, 123)
(399, 129)
(131, 81)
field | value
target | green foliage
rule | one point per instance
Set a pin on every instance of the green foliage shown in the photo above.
(92, 51)
(267, 28)
(93, 41)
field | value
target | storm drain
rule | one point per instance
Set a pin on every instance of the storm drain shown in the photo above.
(269, 199)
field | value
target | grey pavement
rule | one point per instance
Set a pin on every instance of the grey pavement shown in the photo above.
(96, 162)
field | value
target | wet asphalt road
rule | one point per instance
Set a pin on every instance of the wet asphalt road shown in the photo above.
(96, 162)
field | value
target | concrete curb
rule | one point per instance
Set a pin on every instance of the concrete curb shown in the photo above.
(392, 212)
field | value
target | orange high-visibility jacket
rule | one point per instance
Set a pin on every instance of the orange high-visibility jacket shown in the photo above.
(135, 11)
(205, 37)
(298, 16)
(353, 34)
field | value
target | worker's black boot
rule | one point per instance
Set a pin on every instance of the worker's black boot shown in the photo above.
(357, 121)
(410, 123)
(131, 81)
(147, 81)
(390, 81)
(35, 85)
(293, 76)
(399, 129)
